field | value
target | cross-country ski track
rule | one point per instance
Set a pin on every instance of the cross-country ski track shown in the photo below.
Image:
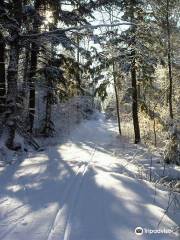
(91, 187)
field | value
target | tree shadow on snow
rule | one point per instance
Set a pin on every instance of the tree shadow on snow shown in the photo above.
(94, 199)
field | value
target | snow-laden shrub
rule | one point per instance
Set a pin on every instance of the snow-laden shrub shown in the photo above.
(66, 116)
(70, 113)
(172, 147)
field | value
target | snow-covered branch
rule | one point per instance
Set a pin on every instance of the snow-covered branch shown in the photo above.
(74, 28)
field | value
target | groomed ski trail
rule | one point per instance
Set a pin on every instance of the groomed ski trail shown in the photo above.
(84, 189)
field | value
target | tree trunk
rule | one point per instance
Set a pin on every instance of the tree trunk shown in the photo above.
(33, 69)
(12, 77)
(78, 61)
(32, 95)
(2, 74)
(48, 124)
(135, 102)
(48, 128)
(137, 137)
(117, 99)
(169, 63)
(79, 75)
(26, 89)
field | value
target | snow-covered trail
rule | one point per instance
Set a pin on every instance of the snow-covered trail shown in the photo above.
(82, 190)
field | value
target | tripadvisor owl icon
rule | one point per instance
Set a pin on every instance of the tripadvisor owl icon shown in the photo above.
(139, 231)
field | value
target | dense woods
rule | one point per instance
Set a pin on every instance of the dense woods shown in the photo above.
(124, 54)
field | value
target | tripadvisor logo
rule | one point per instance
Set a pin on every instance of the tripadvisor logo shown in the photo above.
(139, 231)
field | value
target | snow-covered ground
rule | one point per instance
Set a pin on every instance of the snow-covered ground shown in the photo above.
(91, 187)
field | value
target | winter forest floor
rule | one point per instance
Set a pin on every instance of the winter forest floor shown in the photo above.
(94, 186)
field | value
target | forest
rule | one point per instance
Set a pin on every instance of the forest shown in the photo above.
(89, 119)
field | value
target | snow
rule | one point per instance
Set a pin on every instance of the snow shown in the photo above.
(88, 188)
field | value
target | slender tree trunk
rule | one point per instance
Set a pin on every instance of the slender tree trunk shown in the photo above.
(135, 102)
(47, 130)
(117, 99)
(169, 63)
(26, 89)
(2, 74)
(33, 69)
(79, 72)
(78, 60)
(12, 77)
(48, 126)
(134, 80)
(32, 95)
